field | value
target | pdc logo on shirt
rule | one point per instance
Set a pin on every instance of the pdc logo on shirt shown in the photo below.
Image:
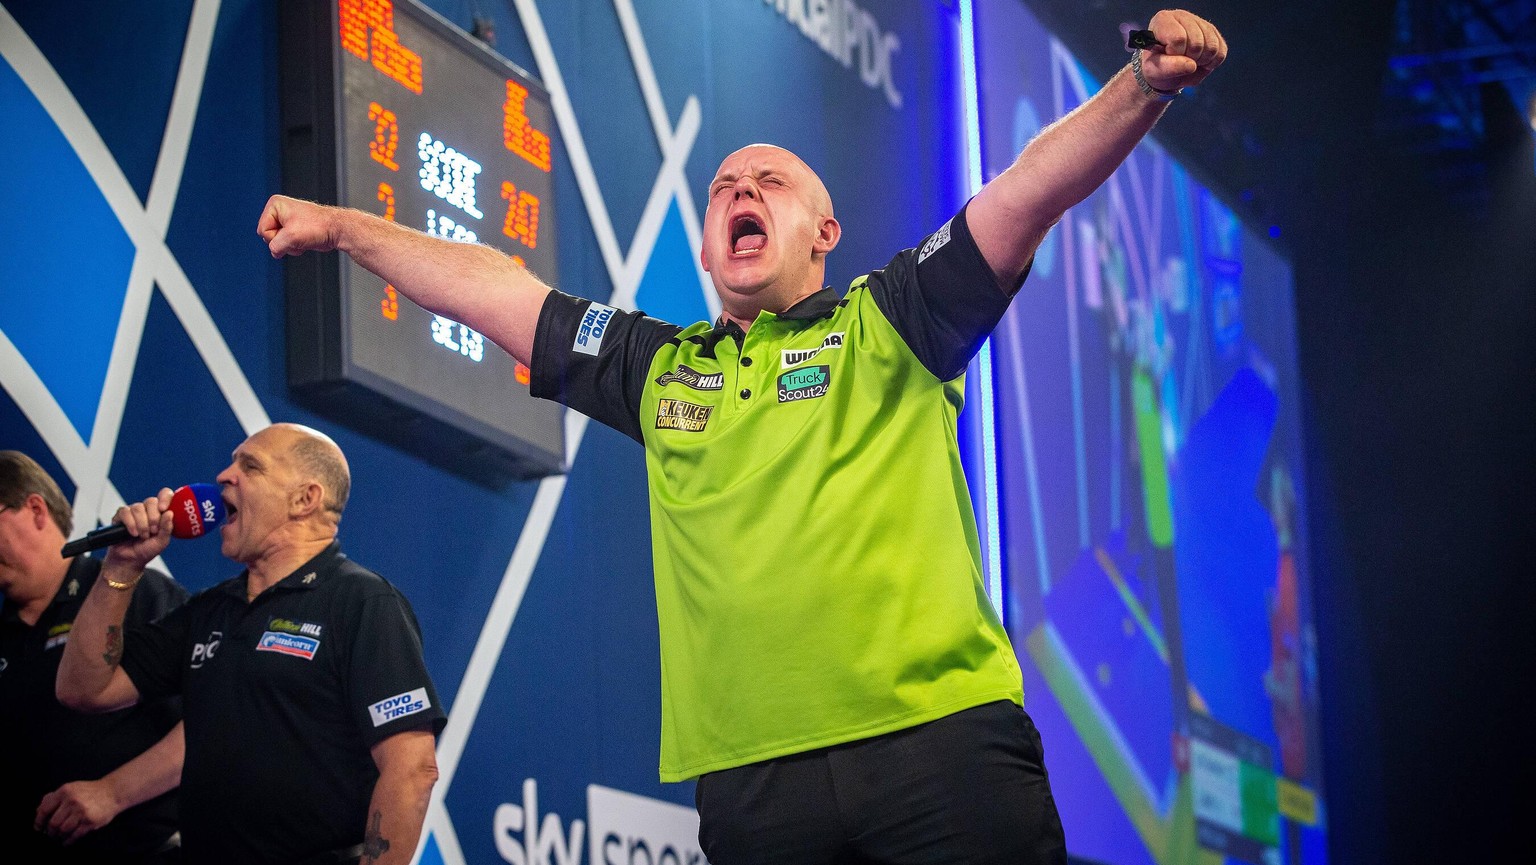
(202, 652)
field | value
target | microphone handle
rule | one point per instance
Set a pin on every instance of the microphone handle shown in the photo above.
(101, 538)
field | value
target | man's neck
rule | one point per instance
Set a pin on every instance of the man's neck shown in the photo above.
(745, 310)
(41, 589)
(274, 566)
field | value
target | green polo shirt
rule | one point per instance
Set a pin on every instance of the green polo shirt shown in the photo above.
(818, 574)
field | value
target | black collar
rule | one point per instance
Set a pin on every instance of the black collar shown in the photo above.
(305, 576)
(819, 305)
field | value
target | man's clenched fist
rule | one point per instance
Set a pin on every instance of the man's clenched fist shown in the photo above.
(1192, 48)
(292, 227)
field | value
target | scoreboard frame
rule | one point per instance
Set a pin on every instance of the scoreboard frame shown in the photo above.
(323, 373)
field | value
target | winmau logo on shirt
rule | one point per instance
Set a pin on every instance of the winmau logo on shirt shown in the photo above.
(796, 356)
(687, 376)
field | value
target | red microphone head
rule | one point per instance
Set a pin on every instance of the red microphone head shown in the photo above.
(196, 509)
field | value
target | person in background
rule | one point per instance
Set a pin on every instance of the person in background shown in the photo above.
(79, 788)
(310, 716)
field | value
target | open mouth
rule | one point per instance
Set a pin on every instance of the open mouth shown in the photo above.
(229, 511)
(747, 235)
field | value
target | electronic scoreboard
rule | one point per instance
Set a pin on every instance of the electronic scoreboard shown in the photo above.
(390, 109)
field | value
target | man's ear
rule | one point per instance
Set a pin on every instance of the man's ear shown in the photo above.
(827, 236)
(308, 499)
(41, 517)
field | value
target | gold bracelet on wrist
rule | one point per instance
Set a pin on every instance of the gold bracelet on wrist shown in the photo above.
(122, 586)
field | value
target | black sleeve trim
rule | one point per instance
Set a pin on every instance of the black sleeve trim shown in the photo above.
(943, 298)
(594, 358)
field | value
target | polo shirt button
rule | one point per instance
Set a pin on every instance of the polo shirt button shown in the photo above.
(746, 393)
(746, 361)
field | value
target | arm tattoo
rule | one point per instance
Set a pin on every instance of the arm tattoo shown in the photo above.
(374, 844)
(114, 652)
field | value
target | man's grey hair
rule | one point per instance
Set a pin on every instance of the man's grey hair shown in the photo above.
(21, 476)
(318, 458)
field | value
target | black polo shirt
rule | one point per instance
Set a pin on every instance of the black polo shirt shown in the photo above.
(284, 697)
(47, 745)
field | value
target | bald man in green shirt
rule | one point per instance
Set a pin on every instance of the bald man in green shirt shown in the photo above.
(832, 670)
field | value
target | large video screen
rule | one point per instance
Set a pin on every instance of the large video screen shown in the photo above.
(1150, 484)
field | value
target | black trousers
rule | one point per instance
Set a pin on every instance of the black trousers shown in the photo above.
(968, 788)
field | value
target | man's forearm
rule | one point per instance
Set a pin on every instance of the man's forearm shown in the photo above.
(1063, 165)
(156, 771)
(89, 667)
(407, 770)
(468, 282)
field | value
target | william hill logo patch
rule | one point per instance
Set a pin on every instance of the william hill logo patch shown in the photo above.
(289, 626)
(687, 376)
(805, 383)
(679, 415)
(58, 635)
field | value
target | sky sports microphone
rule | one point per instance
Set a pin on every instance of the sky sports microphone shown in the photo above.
(196, 509)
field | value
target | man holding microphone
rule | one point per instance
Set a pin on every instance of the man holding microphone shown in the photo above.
(310, 717)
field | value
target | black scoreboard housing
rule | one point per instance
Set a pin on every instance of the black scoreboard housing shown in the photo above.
(490, 434)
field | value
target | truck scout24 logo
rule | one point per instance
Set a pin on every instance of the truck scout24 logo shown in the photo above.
(804, 383)
(679, 415)
(795, 356)
(687, 376)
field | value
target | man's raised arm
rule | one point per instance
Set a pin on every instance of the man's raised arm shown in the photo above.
(467, 282)
(1067, 161)
(90, 676)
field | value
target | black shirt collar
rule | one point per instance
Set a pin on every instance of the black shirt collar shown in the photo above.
(305, 576)
(819, 305)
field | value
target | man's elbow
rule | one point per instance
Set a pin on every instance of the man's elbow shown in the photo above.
(74, 697)
(424, 772)
(418, 771)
